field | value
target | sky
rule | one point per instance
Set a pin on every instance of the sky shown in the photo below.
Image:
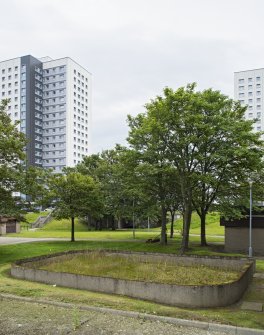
(135, 48)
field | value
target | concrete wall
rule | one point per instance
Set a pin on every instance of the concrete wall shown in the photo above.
(2, 229)
(237, 240)
(18, 227)
(176, 295)
(6, 228)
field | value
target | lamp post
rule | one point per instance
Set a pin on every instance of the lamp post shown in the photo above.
(250, 250)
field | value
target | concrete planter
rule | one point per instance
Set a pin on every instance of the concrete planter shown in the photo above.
(176, 295)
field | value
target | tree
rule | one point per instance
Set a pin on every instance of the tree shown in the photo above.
(74, 195)
(12, 144)
(228, 153)
(166, 133)
(204, 137)
(112, 169)
(146, 138)
(33, 184)
(104, 168)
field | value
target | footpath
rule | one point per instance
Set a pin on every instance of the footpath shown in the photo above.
(49, 317)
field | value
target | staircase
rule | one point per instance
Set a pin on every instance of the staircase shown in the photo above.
(41, 221)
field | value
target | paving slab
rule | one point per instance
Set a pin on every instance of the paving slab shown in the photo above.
(252, 306)
(258, 275)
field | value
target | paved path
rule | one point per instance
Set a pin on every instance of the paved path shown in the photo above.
(15, 240)
(4, 240)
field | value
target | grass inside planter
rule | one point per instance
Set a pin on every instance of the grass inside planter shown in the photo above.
(132, 268)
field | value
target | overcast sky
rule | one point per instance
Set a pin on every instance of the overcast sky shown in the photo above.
(134, 48)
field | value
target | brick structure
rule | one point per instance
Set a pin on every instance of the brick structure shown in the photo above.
(9, 225)
(237, 233)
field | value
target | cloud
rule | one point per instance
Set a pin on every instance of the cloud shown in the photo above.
(134, 48)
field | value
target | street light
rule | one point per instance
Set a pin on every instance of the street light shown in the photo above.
(250, 250)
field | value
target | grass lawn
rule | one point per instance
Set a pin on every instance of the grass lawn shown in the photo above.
(103, 235)
(229, 315)
(62, 228)
(103, 264)
(31, 217)
(212, 224)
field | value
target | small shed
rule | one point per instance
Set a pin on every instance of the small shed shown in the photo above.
(9, 225)
(237, 233)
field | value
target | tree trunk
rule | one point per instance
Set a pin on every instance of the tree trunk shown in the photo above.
(163, 239)
(119, 223)
(107, 224)
(89, 225)
(172, 224)
(203, 233)
(186, 228)
(72, 229)
(113, 223)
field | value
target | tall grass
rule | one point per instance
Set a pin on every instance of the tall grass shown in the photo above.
(98, 263)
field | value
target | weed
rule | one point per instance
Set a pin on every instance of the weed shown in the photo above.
(76, 322)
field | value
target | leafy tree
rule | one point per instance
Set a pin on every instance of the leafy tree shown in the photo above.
(111, 170)
(12, 143)
(204, 137)
(139, 203)
(146, 137)
(103, 168)
(229, 152)
(34, 184)
(74, 195)
(165, 133)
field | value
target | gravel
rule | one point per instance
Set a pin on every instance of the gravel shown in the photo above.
(26, 318)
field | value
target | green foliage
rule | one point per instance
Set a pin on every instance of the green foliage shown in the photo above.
(205, 138)
(76, 322)
(212, 224)
(157, 178)
(33, 183)
(31, 217)
(12, 143)
(74, 195)
(63, 225)
(120, 189)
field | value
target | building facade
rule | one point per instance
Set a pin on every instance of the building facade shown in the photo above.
(51, 99)
(249, 91)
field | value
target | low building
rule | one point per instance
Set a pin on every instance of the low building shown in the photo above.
(9, 225)
(237, 234)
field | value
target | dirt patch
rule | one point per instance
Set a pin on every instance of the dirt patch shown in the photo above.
(26, 318)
